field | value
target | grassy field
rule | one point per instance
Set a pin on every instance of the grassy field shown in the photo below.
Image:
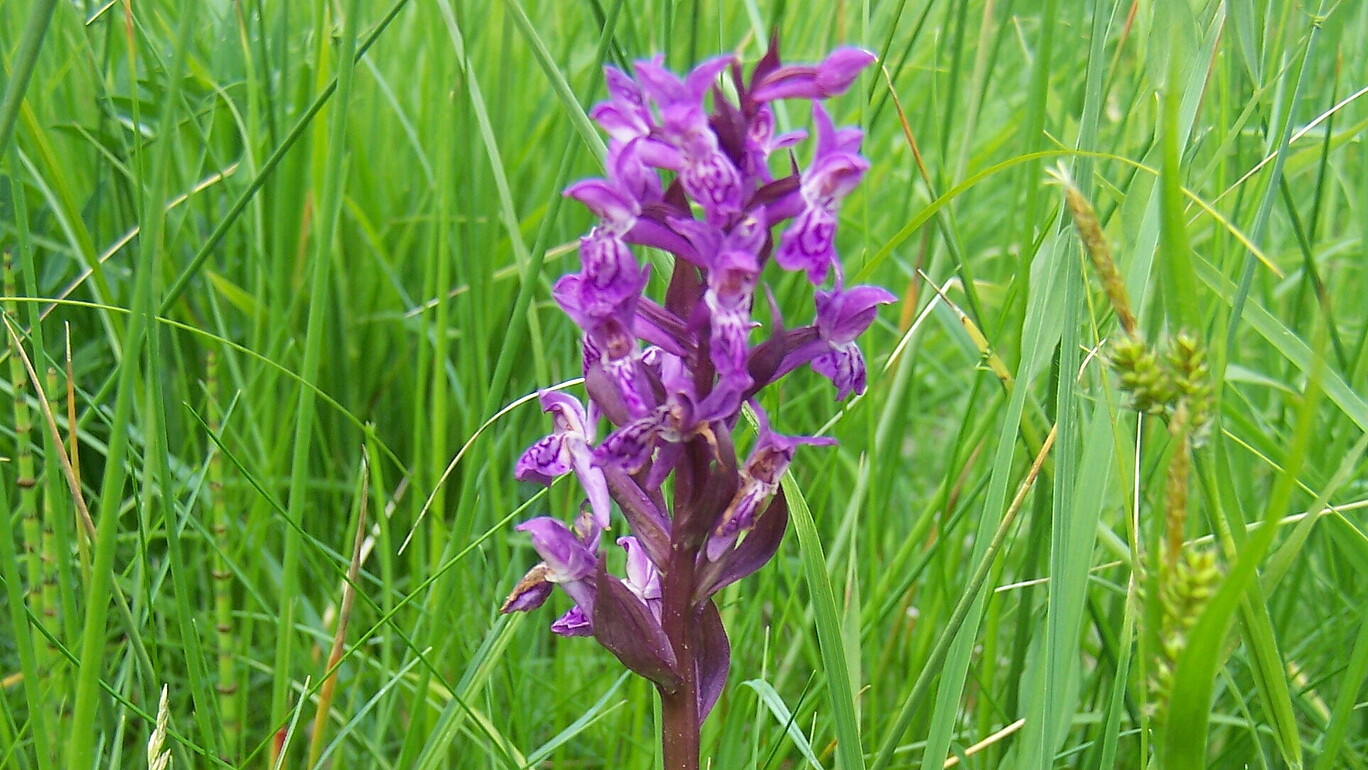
(280, 305)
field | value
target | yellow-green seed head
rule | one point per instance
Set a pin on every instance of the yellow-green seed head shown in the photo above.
(1143, 377)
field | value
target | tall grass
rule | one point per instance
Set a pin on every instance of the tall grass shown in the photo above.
(253, 243)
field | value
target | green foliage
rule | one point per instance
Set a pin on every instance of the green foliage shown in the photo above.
(253, 241)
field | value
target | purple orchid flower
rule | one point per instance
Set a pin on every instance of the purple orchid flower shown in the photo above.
(732, 275)
(624, 116)
(566, 450)
(809, 243)
(642, 575)
(569, 558)
(821, 81)
(761, 142)
(705, 172)
(656, 439)
(602, 298)
(841, 317)
(630, 447)
(683, 118)
(829, 345)
(759, 481)
(618, 200)
(688, 172)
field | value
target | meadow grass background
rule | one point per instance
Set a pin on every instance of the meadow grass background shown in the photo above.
(280, 263)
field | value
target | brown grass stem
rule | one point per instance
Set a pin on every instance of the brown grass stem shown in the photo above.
(348, 601)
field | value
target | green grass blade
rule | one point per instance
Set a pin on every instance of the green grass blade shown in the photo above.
(1180, 285)
(1077, 511)
(774, 703)
(23, 641)
(87, 698)
(1351, 682)
(330, 197)
(1040, 334)
(201, 140)
(840, 693)
(442, 737)
(569, 102)
(1288, 344)
(40, 15)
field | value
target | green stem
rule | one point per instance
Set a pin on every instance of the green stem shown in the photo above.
(23, 449)
(107, 523)
(227, 684)
(49, 603)
(23, 641)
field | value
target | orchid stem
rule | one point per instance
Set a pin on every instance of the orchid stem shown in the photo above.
(679, 724)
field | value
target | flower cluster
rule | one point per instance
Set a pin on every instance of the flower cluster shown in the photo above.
(671, 376)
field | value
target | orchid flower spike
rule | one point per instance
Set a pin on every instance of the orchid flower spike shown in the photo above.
(690, 171)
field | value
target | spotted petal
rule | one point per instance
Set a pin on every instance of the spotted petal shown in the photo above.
(808, 244)
(845, 367)
(544, 460)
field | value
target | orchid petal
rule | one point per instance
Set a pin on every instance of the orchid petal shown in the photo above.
(573, 623)
(808, 245)
(830, 78)
(844, 314)
(546, 459)
(642, 576)
(567, 558)
(630, 446)
(845, 367)
(606, 202)
(530, 592)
